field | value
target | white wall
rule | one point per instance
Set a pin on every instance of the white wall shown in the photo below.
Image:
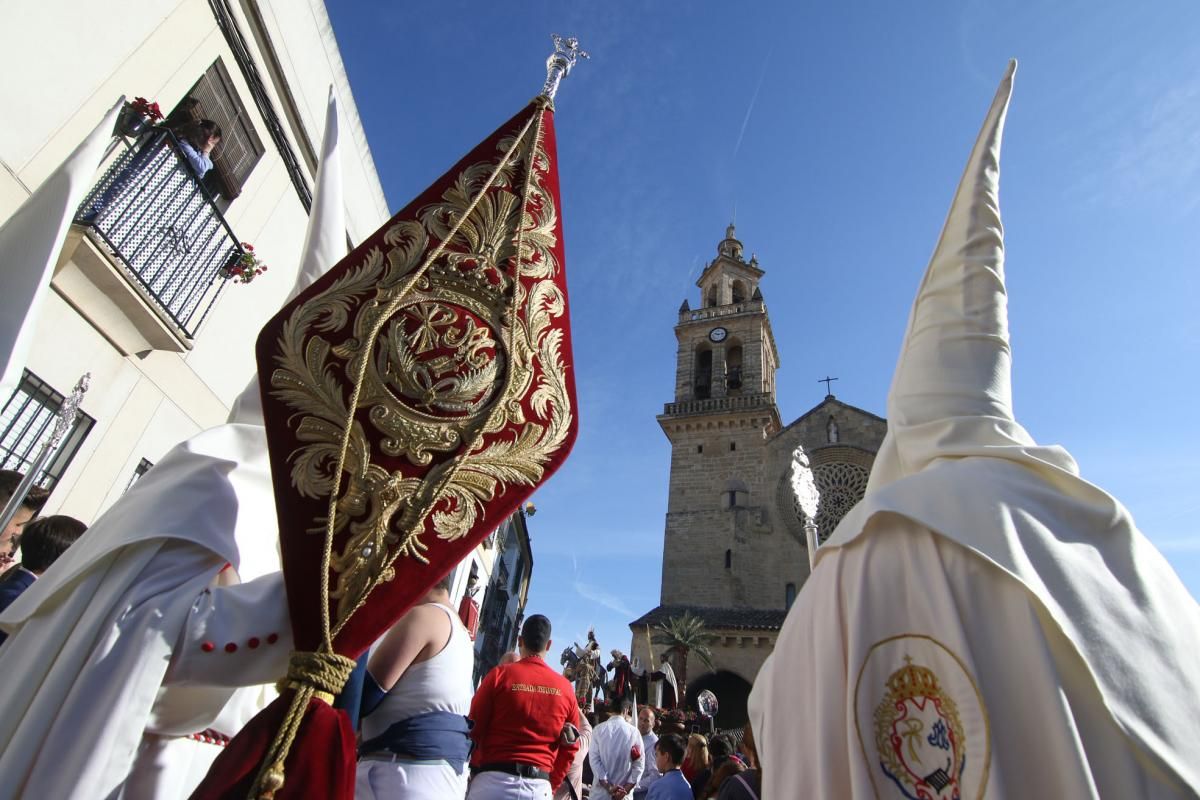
(65, 63)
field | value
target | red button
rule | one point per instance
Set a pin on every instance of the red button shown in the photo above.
(273, 638)
(208, 647)
(253, 643)
(231, 647)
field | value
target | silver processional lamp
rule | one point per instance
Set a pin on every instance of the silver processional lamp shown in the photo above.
(63, 422)
(808, 499)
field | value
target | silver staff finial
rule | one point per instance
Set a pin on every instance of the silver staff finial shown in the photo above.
(69, 411)
(559, 64)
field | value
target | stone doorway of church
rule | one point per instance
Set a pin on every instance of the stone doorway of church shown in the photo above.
(732, 691)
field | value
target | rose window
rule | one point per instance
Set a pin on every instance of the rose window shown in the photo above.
(841, 485)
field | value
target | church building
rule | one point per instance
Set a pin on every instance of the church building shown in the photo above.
(734, 551)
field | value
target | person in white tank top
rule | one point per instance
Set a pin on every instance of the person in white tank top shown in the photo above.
(415, 700)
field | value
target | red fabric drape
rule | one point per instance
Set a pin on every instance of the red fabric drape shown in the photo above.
(323, 766)
(468, 612)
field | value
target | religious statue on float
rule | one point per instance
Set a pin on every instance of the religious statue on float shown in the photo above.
(622, 686)
(581, 666)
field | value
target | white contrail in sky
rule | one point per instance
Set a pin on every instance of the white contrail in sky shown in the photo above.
(753, 100)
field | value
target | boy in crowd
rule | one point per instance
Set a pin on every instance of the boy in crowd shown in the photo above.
(668, 755)
(42, 542)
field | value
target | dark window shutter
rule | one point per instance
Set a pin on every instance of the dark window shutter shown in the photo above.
(240, 148)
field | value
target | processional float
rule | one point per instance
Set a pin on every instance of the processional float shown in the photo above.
(414, 396)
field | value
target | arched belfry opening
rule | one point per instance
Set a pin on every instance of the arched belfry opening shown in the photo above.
(733, 368)
(704, 365)
(712, 299)
(739, 292)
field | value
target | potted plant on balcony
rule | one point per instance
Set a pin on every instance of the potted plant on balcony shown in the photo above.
(137, 117)
(245, 266)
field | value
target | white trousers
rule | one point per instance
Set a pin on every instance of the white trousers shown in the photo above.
(412, 780)
(502, 786)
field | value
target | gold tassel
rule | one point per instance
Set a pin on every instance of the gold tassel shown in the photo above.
(310, 675)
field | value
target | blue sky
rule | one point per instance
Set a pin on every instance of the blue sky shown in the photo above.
(836, 132)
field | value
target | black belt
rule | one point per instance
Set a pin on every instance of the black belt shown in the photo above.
(516, 768)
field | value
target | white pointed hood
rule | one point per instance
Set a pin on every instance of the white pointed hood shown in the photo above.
(214, 489)
(31, 241)
(951, 394)
(324, 244)
(956, 461)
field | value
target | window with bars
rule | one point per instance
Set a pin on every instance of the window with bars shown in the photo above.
(26, 424)
(142, 468)
(214, 97)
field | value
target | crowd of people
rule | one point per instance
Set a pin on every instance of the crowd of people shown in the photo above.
(425, 733)
(523, 733)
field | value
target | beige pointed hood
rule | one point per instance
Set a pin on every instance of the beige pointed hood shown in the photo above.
(951, 394)
(956, 461)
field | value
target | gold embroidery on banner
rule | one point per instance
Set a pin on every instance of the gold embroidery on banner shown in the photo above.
(447, 347)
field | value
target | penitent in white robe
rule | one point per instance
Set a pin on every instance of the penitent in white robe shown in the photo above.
(133, 639)
(1014, 704)
(129, 642)
(985, 622)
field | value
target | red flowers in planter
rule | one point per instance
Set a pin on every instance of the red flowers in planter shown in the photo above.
(247, 267)
(147, 109)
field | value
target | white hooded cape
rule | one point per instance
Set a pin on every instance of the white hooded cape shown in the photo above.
(132, 638)
(1069, 646)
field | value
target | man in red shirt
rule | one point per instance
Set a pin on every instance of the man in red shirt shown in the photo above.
(524, 731)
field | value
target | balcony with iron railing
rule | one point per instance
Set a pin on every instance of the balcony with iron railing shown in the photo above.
(149, 251)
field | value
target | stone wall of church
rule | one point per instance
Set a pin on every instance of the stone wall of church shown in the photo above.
(734, 538)
(854, 428)
(714, 505)
(739, 651)
(857, 436)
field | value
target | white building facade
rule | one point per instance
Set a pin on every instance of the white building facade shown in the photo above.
(138, 298)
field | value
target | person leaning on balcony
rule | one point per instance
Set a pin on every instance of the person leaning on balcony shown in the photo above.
(196, 142)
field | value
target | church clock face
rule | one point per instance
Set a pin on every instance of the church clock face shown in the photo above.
(718, 335)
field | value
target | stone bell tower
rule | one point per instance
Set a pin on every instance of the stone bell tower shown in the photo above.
(722, 416)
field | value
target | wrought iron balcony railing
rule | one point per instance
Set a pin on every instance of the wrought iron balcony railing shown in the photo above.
(167, 235)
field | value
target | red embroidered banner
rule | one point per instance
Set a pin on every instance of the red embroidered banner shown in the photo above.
(417, 394)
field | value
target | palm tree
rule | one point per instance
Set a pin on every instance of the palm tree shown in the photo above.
(684, 635)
